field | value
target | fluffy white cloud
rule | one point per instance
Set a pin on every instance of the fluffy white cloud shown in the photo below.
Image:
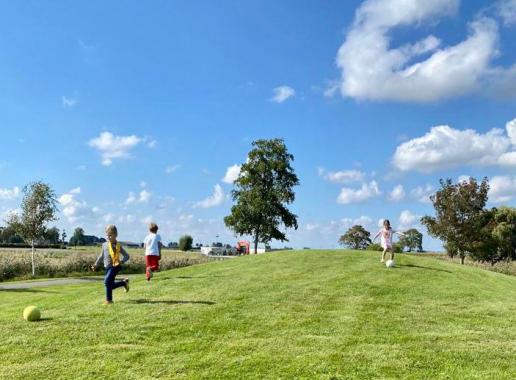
(232, 174)
(444, 147)
(397, 194)
(145, 196)
(502, 189)
(423, 71)
(171, 168)
(282, 93)
(216, 199)
(422, 193)
(8, 194)
(408, 220)
(114, 147)
(349, 195)
(342, 176)
(74, 209)
(507, 10)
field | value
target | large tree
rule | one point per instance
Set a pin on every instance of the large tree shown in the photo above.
(39, 206)
(357, 237)
(263, 189)
(413, 240)
(460, 217)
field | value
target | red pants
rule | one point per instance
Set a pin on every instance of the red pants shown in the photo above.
(152, 262)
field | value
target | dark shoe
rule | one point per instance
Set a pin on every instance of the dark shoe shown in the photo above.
(126, 284)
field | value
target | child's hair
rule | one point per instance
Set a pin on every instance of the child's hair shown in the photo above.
(386, 223)
(111, 230)
(153, 227)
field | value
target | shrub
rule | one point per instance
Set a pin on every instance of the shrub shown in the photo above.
(374, 247)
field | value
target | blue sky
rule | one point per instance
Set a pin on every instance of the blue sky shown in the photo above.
(135, 111)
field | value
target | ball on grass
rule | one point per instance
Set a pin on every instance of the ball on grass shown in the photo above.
(389, 263)
(31, 314)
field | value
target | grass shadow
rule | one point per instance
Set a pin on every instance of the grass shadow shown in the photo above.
(44, 319)
(169, 302)
(422, 267)
(26, 290)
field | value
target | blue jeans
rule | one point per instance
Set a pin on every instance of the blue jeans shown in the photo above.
(109, 281)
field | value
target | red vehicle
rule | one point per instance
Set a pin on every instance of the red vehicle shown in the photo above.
(243, 247)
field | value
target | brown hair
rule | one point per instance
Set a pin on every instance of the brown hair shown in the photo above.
(111, 229)
(153, 227)
(387, 223)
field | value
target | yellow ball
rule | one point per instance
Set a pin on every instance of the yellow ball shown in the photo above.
(31, 314)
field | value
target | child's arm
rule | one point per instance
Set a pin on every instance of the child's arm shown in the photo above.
(125, 255)
(376, 236)
(160, 245)
(399, 233)
(99, 258)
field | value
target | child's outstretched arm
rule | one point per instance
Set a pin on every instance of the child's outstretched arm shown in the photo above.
(376, 236)
(97, 262)
(400, 233)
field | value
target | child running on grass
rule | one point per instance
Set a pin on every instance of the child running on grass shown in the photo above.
(386, 234)
(113, 256)
(152, 244)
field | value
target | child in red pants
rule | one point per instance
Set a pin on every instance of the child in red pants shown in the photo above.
(152, 244)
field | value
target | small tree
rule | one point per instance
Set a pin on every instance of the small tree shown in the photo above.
(63, 237)
(413, 240)
(185, 243)
(460, 215)
(39, 206)
(357, 237)
(78, 237)
(262, 192)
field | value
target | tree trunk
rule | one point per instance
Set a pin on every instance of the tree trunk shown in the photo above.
(33, 265)
(256, 244)
(462, 259)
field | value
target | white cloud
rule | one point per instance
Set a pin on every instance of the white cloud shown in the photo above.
(502, 189)
(507, 11)
(68, 102)
(151, 143)
(172, 168)
(423, 71)
(74, 209)
(349, 195)
(342, 176)
(113, 147)
(216, 199)
(131, 198)
(8, 194)
(145, 196)
(143, 184)
(422, 194)
(232, 174)
(408, 220)
(282, 93)
(510, 127)
(397, 194)
(463, 178)
(444, 147)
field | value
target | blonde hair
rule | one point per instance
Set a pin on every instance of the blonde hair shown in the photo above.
(111, 230)
(153, 227)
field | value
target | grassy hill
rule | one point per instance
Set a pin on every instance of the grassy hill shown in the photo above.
(309, 314)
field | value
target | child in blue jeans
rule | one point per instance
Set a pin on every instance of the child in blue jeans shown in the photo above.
(113, 256)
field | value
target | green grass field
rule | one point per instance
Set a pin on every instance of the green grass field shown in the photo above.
(306, 314)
